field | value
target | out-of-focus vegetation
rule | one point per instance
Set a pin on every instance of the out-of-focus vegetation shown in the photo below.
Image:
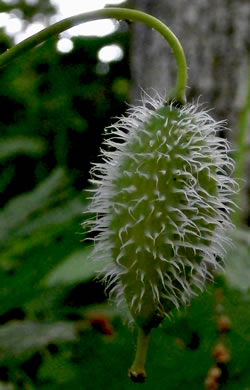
(57, 329)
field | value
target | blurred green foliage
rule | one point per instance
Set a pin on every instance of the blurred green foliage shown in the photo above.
(57, 329)
(28, 9)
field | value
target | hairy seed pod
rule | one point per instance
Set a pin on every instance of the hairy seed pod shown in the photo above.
(162, 200)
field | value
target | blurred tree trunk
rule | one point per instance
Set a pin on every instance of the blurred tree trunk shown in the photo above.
(215, 35)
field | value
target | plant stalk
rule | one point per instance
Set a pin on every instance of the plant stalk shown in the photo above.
(137, 371)
(241, 154)
(114, 13)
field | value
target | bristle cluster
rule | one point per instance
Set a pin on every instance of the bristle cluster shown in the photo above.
(162, 204)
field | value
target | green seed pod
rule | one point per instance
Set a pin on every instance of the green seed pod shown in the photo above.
(163, 207)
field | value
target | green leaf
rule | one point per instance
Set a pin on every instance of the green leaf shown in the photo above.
(78, 267)
(6, 386)
(238, 261)
(23, 212)
(20, 278)
(26, 337)
(38, 231)
(13, 146)
(58, 369)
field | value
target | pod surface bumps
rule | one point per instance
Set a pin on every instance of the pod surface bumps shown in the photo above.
(162, 201)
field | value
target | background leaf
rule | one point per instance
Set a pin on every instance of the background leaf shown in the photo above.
(11, 147)
(238, 261)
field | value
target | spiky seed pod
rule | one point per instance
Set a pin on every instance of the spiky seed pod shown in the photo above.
(162, 201)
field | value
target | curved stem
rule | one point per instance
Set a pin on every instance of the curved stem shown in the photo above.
(116, 13)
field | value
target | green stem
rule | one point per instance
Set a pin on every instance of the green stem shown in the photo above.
(116, 13)
(242, 149)
(137, 371)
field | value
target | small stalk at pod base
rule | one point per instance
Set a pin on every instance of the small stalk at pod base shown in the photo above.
(162, 198)
(162, 205)
(137, 371)
(115, 13)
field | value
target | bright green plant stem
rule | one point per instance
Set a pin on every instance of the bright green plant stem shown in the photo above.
(242, 149)
(137, 371)
(115, 13)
